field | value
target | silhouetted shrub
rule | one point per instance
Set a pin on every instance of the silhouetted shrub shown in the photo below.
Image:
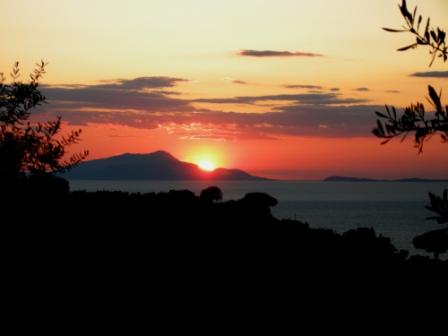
(435, 241)
(259, 199)
(364, 244)
(47, 185)
(177, 229)
(27, 148)
(211, 194)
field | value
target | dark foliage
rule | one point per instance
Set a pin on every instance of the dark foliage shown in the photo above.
(435, 241)
(37, 149)
(174, 250)
(211, 194)
(184, 225)
(434, 38)
(414, 119)
(439, 205)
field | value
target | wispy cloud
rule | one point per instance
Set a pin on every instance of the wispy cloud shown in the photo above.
(304, 98)
(275, 53)
(132, 103)
(320, 121)
(138, 93)
(302, 86)
(392, 91)
(362, 89)
(141, 83)
(431, 74)
(297, 120)
(237, 81)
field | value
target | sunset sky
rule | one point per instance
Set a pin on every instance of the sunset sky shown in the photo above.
(279, 88)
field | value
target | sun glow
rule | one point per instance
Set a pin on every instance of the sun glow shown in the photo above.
(207, 165)
(206, 157)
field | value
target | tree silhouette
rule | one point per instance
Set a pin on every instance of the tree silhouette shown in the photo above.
(211, 194)
(25, 148)
(414, 119)
(435, 242)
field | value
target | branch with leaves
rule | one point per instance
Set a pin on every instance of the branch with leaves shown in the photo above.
(414, 119)
(434, 38)
(18, 99)
(31, 148)
(439, 205)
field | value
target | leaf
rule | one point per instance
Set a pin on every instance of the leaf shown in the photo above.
(434, 54)
(404, 11)
(420, 41)
(404, 137)
(395, 112)
(435, 98)
(414, 14)
(412, 46)
(390, 30)
(377, 133)
(433, 35)
(381, 115)
(441, 36)
(380, 127)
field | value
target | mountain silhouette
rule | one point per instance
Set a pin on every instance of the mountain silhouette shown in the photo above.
(363, 179)
(158, 165)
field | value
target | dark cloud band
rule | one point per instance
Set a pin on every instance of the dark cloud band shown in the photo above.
(431, 74)
(141, 103)
(301, 86)
(274, 53)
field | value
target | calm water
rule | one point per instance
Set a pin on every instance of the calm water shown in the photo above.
(396, 210)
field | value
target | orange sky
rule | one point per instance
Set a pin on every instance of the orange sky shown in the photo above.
(285, 88)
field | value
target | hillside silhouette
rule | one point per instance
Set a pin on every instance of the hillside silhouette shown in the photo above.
(159, 165)
(180, 226)
(364, 179)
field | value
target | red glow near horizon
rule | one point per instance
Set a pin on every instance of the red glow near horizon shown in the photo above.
(285, 158)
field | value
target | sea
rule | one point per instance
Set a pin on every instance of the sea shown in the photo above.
(394, 209)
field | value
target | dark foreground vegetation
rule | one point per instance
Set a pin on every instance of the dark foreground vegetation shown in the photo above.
(187, 230)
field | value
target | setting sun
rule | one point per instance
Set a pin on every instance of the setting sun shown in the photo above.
(207, 165)
(207, 157)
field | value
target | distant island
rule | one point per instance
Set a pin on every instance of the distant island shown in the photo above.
(363, 179)
(159, 165)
